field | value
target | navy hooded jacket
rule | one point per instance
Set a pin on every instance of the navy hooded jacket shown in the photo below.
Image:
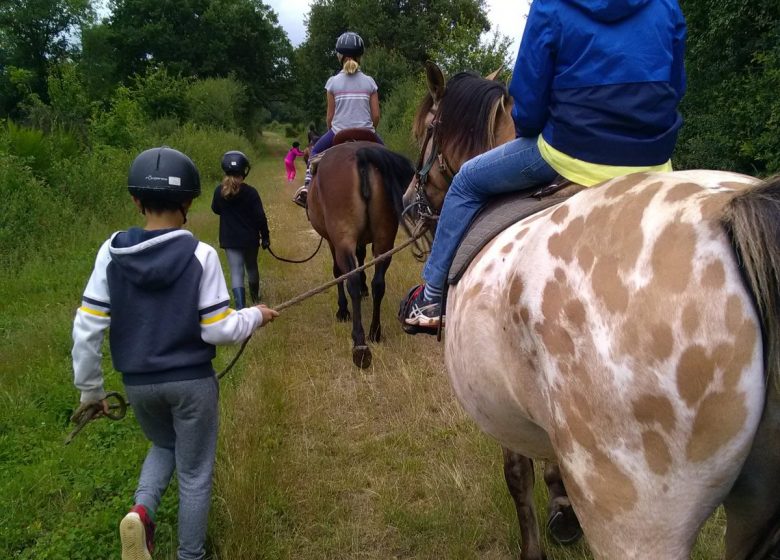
(601, 80)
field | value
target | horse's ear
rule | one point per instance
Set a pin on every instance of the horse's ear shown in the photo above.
(494, 75)
(436, 83)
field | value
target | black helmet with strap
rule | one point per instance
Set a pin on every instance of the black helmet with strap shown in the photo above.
(165, 174)
(235, 163)
(349, 44)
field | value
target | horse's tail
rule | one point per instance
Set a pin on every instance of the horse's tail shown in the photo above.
(752, 219)
(396, 171)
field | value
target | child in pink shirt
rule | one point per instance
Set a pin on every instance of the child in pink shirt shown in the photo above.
(289, 161)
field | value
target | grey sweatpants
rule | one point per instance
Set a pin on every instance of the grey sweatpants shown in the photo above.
(240, 259)
(180, 418)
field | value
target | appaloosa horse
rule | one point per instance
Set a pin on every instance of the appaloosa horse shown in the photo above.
(631, 334)
(355, 199)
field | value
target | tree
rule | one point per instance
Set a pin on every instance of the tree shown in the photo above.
(34, 35)
(732, 109)
(202, 38)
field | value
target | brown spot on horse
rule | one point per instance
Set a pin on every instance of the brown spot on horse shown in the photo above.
(655, 409)
(695, 373)
(657, 452)
(672, 257)
(719, 418)
(682, 191)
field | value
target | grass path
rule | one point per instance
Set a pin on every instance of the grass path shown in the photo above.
(317, 459)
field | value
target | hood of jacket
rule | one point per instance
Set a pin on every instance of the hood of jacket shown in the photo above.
(152, 260)
(609, 10)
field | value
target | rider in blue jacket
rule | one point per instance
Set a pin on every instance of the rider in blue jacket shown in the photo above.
(596, 87)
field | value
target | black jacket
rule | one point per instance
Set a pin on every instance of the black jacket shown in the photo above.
(242, 218)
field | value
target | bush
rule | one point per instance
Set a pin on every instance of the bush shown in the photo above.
(30, 213)
(161, 95)
(217, 102)
(123, 125)
(205, 146)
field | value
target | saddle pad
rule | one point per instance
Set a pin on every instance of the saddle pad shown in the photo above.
(492, 219)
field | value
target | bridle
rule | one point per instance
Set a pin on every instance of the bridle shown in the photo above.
(423, 170)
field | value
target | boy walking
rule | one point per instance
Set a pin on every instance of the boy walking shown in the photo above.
(163, 294)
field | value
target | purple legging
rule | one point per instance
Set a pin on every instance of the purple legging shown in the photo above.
(326, 141)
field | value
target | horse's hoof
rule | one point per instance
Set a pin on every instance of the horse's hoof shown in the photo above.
(343, 316)
(375, 335)
(364, 291)
(563, 526)
(361, 356)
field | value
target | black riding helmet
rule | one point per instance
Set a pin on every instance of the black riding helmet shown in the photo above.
(163, 174)
(349, 44)
(235, 163)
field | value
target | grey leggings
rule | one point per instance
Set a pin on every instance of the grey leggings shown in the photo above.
(240, 259)
(180, 418)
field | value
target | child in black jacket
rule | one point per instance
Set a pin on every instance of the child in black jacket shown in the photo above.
(242, 225)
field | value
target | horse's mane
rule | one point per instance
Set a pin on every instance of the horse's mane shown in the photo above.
(466, 114)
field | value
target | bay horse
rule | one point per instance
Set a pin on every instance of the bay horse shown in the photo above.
(355, 200)
(631, 334)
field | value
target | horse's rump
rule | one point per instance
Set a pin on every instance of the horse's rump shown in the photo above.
(617, 324)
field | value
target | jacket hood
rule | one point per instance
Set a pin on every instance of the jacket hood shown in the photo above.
(152, 260)
(609, 10)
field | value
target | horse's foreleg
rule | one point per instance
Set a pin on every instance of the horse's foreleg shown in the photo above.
(519, 475)
(361, 259)
(562, 522)
(377, 293)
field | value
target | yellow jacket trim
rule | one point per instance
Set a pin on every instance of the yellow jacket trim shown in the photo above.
(215, 318)
(93, 311)
(589, 174)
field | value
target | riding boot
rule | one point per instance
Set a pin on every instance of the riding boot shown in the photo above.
(239, 295)
(254, 292)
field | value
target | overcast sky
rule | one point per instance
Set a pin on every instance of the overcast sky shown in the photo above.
(507, 16)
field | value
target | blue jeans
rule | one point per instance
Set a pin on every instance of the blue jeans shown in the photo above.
(511, 167)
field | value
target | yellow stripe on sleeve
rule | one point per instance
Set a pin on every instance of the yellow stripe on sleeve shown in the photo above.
(215, 318)
(94, 312)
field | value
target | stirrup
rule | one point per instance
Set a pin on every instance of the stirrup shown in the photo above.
(300, 196)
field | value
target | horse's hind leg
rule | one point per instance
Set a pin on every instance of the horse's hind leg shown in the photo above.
(519, 475)
(342, 313)
(377, 293)
(562, 522)
(753, 504)
(361, 354)
(361, 259)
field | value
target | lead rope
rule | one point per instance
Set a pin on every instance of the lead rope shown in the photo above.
(83, 417)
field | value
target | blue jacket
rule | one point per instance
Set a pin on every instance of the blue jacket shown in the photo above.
(601, 79)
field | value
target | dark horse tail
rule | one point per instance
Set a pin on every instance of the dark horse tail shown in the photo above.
(396, 171)
(752, 220)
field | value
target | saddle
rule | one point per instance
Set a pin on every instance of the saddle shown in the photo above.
(355, 135)
(500, 213)
(342, 137)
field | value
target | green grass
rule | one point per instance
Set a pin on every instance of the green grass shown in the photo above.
(316, 459)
